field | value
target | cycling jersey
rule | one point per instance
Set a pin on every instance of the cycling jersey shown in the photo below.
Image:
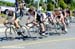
(39, 17)
(9, 17)
(16, 5)
(19, 13)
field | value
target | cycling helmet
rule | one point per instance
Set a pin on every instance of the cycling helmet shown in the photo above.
(48, 13)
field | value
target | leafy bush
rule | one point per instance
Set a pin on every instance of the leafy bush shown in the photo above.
(62, 4)
(2, 15)
(72, 5)
(3, 3)
(50, 7)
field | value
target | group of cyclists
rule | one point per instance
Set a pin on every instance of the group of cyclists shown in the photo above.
(36, 16)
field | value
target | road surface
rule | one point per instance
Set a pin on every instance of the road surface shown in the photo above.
(53, 41)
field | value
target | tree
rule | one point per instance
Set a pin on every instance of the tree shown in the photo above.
(3, 3)
(50, 7)
(67, 1)
(72, 5)
(27, 1)
(44, 6)
(41, 1)
(62, 4)
(49, 1)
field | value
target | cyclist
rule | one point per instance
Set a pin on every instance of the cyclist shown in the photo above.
(60, 18)
(49, 17)
(36, 18)
(68, 15)
(31, 17)
(40, 18)
(10, 17)
(16, 4)
(19, 15)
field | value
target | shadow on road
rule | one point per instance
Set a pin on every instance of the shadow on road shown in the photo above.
(27, 38)
(16, 38)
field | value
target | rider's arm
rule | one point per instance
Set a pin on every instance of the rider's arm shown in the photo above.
(62, 19)
(6, 18)
(28, 19)
(13, 16)
(43, 17)
(35, 16)
(65, 14)
(52, 16)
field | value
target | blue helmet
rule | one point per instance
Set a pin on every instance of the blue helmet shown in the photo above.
(39, 12)
(48, 13)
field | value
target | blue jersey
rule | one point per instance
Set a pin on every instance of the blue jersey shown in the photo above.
(16, 4)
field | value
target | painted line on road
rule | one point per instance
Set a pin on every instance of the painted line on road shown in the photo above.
(36, 42)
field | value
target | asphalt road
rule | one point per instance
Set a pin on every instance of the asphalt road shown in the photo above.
(53, 41)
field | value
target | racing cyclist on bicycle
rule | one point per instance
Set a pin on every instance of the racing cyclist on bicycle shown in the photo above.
(10, 17)
(58, 16)
(36, 18)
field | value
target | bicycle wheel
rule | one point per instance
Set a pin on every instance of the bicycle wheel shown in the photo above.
(34, 31)
(55, 27)
(24, 31)
(9, 32)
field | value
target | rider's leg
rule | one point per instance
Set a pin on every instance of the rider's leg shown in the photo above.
(6, 21)
(63, 22)
(16, 23)
(43, 27)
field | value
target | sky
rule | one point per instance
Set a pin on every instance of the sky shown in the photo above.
(10, 0)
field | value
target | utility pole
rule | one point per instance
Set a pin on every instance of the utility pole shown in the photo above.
(46, 5)
(38, 3)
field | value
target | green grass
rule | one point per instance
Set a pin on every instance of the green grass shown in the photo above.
(2, 15)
